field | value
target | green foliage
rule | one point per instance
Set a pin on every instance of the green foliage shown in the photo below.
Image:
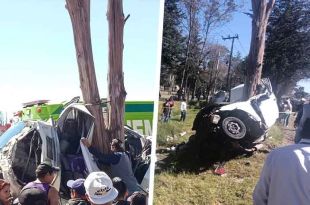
(287, 47)
(173, 42)
(186, 49)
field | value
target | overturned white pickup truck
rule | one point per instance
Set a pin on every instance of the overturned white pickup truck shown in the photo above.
(243, 123)
(28, 143)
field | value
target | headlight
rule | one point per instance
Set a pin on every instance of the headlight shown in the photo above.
(215, 119)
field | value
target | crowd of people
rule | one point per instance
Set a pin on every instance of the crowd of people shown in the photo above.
(97, 189)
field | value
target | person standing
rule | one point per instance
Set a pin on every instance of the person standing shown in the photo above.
(119, 162)
(170, 105)
(285, 177)
(45, 174)
(77, 192)
(183, 110)
(302, 115)
(287, 111)
(99, 189)
(165, 114)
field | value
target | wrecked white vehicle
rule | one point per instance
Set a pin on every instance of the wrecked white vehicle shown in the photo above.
(242, 123)
(28, 143)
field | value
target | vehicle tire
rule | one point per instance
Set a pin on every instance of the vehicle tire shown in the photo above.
(234, 128)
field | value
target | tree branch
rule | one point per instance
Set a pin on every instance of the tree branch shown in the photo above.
(127, 17)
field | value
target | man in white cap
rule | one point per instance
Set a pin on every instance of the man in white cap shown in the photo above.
(99, 189)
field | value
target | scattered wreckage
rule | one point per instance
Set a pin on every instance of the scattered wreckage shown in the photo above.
(29, 142)
(240, 125)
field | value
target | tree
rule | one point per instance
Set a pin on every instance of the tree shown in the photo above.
(287, 46)
(116, 89)
(79, 11)
(191, 10)
(200, 17)
(215, 13)
(173, 42)
(261, 11)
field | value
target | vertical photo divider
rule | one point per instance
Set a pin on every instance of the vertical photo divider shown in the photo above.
(156, 99)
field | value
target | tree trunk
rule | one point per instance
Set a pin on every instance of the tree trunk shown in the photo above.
(117, 93)
(79, 11)
(261, 11)
(188, 43)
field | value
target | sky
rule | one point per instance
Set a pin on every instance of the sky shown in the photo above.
(241, 24)
(37, 52)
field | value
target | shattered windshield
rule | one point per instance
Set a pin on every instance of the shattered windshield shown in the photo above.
(11, 132)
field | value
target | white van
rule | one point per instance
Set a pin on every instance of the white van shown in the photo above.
(28, 143)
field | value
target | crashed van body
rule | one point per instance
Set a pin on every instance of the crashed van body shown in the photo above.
(241, 122)
(28, 143)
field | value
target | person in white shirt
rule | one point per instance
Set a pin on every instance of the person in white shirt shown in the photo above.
(285, 177)
(287, 108)
(183, 110)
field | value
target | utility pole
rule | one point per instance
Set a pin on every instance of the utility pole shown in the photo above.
(228, 82)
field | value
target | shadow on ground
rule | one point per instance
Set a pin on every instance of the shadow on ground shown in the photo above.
(197, 156)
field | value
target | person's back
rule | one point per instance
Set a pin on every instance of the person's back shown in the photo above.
(119, 162)
(45, 174)
(285, 178)
(33, 196)
(300, 120)
(290, 185)
(124, 171)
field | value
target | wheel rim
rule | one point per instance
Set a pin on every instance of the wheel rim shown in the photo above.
(234, 127)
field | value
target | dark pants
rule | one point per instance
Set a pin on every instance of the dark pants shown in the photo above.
(286, 119)
(183, 115)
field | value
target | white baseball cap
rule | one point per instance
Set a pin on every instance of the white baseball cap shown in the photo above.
(99, 188)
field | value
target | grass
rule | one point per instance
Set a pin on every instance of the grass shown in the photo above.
(168, 133)
(236, 187)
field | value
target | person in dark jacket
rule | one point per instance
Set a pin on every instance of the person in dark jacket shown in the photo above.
(77, 192)
(119, 162)
(121, 187)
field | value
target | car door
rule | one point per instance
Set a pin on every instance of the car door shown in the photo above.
(50, 147)
(87, 132)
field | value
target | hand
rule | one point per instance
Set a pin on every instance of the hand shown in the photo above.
(85, 142)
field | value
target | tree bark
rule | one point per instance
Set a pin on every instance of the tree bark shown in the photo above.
(261, 12)
(116, 89)
(79, 11)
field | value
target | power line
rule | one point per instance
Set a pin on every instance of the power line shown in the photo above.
(229, 65)
(245, 52)
(241, 46)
